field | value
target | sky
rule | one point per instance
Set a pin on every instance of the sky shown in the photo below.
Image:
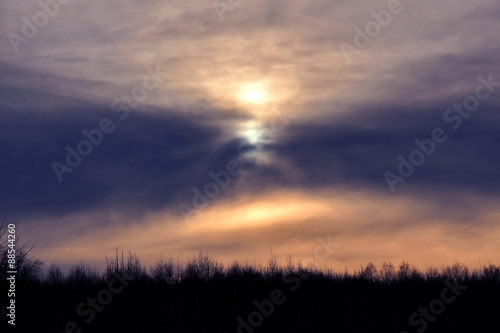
(241, 127)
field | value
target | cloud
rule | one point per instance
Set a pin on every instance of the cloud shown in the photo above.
(368, 226)
(356, 150)
(154, 160)
(145, 162)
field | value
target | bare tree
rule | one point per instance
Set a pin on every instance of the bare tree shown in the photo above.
(27, 267)
(388, 273)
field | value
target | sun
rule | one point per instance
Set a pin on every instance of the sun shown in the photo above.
(253, 96)
(253, 93)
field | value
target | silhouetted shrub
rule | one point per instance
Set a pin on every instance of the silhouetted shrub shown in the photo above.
(54, 274)
(82, 274)
(163, 271)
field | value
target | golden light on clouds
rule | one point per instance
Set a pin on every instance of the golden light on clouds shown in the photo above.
(289, 222)
(238, 78)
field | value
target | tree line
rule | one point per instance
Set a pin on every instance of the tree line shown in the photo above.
(202, 295)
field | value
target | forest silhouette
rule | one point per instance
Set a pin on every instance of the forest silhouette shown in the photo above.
(202, 295)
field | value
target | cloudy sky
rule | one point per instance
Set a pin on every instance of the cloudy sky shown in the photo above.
(241, 127)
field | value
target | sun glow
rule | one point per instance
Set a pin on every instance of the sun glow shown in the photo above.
(251, 131)
(252, 135)
(253, 93)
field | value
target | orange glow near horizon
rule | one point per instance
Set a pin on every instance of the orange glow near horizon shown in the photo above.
(289, 223)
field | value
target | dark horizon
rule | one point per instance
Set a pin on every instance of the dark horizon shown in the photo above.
(205, 296)
(173, 126)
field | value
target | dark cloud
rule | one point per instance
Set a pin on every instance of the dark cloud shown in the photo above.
(147, 161)
(153, 161)
(356, 152)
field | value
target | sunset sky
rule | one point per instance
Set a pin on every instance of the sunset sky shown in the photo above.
(241, 127)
